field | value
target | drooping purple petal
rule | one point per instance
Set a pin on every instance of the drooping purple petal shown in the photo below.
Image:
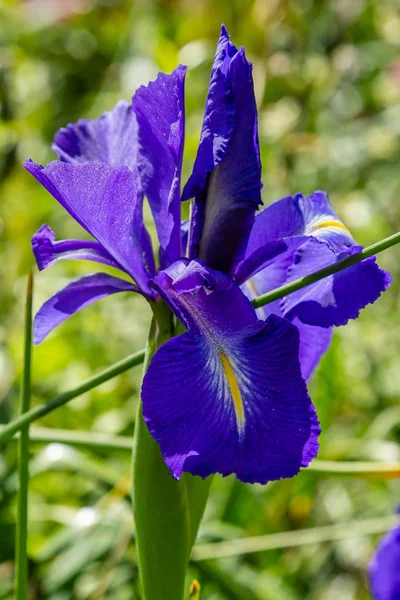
(304, 234)
(226, 178)
(314, 341)
(283, 226)
(160, 112)
(107, 203)
(337, 298)
(112, 139)
(47, 250)
(384, 572)
(74, 297)
(227, 396)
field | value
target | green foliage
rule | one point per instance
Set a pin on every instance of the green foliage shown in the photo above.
(328, 88)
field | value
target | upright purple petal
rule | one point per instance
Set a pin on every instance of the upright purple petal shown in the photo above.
(227, 396)
(218, 119)
(73, 298)
(226, 178)
(106, 201)
(160, 112)
(112, 139)
(47, 250)
(384, 571)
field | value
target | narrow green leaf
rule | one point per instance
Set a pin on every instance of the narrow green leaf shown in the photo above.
(21, 557)
(359, 469)
(167, 512)
(197, 487)
(294, 286)
(11, 428)
(198, 490)
(291, 539)
(7, 431)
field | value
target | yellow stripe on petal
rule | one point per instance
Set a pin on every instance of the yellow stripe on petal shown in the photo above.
(330, 224)
(234, 389)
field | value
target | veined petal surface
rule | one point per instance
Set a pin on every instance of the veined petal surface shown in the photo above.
(106, 201)
(160, 111)
(73, 298)
(112, 139)
(226, 178)
(227, 396)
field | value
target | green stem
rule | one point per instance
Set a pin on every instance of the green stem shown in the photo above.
(291, 539)
(21, 557)
(11, 428)
(294, 286)
(167, 512)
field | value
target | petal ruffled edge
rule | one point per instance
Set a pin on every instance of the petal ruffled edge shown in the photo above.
(111, 139)
(160, 112)
(338, 298)
(47, 250)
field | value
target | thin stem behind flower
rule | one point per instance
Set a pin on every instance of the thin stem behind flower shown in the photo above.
(9, 430)
(21, 558)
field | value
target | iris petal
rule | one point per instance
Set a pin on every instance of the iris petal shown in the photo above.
(233, 399)
(107, 203)
(47, 250)
(226, 178)
(112, 139)
(218, 119)
(73, 298)
(160, 112)
(384, 574)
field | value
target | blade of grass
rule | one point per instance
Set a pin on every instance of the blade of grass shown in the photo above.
(291, 539)
(360, 469)
(289, 288)
(93, 440)
(9, 430)
(21, 557)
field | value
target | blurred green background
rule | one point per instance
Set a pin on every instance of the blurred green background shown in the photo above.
(327, 77)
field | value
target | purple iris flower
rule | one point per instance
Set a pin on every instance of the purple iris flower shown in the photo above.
(384, 568)
(229, 395)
